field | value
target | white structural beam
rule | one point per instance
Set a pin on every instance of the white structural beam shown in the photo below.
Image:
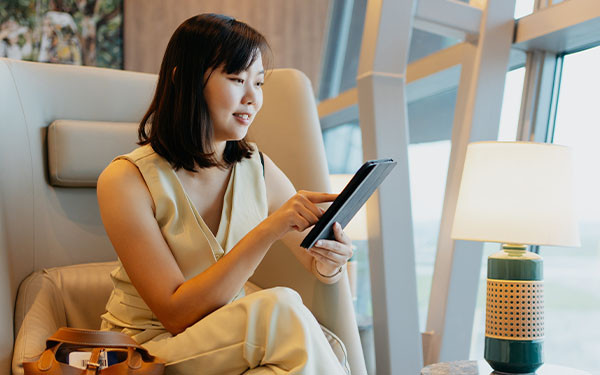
(436, 67)
(344, 100)
(381, 85)
(477, 115)
(448, 18)
(563, 27)
(430, 75)
(434, 63)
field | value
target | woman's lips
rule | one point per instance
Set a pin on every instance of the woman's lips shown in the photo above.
(243, 118)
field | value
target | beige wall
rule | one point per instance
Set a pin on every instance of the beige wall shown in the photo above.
(295, 29)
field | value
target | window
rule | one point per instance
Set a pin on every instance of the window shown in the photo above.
(428, 171)
(524, 8)
(340, 61)
(572, 277)
(343, 147)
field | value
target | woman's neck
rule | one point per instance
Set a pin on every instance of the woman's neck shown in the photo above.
(219, 150)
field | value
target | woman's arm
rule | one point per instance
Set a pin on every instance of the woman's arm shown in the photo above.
(323, 260)
(127, 212)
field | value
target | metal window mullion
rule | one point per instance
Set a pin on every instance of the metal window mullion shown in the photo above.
(555, 97)
(538, 95)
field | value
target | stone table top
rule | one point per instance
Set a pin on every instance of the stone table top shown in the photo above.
(482, 368)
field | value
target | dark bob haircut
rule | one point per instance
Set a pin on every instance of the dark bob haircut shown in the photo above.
(177, 124)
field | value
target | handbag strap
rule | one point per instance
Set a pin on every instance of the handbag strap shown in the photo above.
(78, 336)
(138, 361)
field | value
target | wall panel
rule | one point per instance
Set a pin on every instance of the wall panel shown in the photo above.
(295, 29)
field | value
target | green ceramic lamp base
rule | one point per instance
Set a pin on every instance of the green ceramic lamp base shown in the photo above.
(514, 357)
(514, 311)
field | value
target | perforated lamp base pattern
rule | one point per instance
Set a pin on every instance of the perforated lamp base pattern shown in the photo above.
(514, 311)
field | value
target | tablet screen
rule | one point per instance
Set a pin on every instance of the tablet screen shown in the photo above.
(350, 200)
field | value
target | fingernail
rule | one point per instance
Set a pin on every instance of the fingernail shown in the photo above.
(319, 243)
(338, 226)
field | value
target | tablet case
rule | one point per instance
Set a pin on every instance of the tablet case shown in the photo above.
(350, 200)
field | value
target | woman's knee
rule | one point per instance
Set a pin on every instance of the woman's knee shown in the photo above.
(281, 297)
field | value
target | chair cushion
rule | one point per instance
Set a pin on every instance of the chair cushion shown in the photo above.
(78, 151)
(75, 296)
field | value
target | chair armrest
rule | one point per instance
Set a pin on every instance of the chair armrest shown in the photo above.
(39, 312)
(70, 296)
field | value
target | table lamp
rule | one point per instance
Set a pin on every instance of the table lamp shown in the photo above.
(517, 194)
(356, 228)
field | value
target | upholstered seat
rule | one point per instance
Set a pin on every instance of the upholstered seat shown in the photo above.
(68, 296)
(48, 209)
(75, 296)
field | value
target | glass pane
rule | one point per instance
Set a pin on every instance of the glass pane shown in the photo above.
(343, 147)
(523, 8)
(572, 277)
(509, 122)
(423, 43)
(428, 171)
(511, 105)
(350, 69)
(430, 129)
(343, 45)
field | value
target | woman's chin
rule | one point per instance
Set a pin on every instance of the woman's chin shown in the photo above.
(235, 137)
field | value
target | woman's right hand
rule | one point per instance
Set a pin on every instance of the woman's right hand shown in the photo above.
(298, 213)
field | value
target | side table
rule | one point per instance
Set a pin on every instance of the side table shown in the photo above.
(481, 367)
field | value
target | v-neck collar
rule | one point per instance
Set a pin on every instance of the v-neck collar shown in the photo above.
(213, 238)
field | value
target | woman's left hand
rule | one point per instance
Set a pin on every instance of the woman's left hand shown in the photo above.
(331, 255)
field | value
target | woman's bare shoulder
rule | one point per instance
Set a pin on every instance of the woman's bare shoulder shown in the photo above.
(120, 169)
(123, 179)
(279, 187)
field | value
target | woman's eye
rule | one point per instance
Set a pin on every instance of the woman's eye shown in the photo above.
(238, 80)
(259, 84)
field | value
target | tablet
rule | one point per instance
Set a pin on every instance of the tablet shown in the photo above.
(369, 176)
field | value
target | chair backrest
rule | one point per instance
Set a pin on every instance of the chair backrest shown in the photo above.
(44, 226)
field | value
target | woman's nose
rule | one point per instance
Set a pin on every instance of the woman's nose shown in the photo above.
(250, 96)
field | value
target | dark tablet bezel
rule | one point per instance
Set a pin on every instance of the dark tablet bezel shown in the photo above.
(371, 173)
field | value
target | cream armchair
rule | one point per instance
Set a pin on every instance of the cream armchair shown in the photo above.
(48, 211)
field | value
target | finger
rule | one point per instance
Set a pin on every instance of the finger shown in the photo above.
(341, 249)
(338, 251)
(316, 210)
(317, 197)
(308, 215)
(333, 257)
(332, 246)
(340, 235)
(300, 223)
(324, 260)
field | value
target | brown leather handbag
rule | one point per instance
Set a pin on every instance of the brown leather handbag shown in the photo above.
(130, 358)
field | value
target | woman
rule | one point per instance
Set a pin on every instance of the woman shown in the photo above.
(193, 211)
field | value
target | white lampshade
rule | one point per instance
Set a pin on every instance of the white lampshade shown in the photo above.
(517, 192)
(357, 227)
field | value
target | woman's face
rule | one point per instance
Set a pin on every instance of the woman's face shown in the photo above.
(234, 100)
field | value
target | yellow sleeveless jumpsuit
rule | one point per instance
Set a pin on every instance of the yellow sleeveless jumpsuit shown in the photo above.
(266, 332)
